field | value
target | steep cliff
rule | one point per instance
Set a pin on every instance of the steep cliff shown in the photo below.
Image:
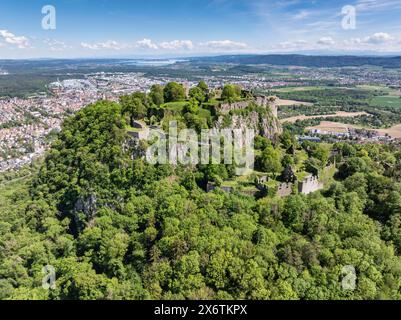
(259, 118)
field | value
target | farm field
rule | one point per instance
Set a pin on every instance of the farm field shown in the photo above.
(337, 114)
(338, 127)
(383, 88)
(394, 131)
(284, 103)
(386, 101)
(299, 89)
(330, 126)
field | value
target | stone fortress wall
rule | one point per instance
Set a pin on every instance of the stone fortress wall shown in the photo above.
(284, 189)
(310, 184)
(227, 107)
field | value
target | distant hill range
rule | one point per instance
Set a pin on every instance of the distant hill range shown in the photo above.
(306, 61)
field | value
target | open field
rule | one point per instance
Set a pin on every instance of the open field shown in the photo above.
(330, 126)
(386, 101)
(337, 114)
(298, 89)
(374, 87)
(338, 127)
(383, 88)
(394, 132)
(284, 103)
(318, 88)
(392, 99)
(395, 93)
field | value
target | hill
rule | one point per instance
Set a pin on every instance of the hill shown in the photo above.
(305, 60)
(115, 227)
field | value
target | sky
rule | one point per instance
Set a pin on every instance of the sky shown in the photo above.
(179, 28)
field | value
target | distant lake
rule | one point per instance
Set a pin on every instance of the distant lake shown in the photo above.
(154, 63)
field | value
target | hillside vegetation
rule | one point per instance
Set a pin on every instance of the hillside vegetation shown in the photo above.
(115, 227)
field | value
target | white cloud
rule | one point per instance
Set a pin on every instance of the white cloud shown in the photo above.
(377, 42)
(291, 45)
(89, 46)
(108, 45)
(224, 45)
(177, 45)
(326, 41)
(379, 38)
(56, 45)
(353, 41)
(10, 38)
(114, 45)
(147, 44)
(302, 15)
(377, 5)
(380, 42)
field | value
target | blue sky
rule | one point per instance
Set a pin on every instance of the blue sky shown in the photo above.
(129, 28)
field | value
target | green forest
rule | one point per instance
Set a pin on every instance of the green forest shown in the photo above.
(115, 227)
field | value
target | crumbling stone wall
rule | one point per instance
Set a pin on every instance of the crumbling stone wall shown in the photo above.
(263, 101)
(227, 107)
(284, 189)
(310, 184)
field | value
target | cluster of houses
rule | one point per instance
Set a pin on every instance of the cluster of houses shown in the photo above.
(356, 134)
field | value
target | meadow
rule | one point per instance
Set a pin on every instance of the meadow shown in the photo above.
(386, 101)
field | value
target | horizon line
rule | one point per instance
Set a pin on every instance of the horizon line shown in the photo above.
(155, 57)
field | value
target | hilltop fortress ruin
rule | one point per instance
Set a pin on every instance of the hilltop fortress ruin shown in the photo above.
(260, 100)
(265, 124)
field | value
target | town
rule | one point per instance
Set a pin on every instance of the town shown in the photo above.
(27, 125)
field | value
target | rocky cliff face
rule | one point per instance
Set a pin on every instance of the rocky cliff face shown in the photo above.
(260, 100)
(266, 125)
